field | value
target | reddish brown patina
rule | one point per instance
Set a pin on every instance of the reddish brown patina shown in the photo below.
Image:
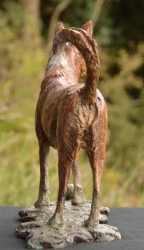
(71, 116)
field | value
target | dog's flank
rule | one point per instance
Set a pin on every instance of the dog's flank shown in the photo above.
(70, 116)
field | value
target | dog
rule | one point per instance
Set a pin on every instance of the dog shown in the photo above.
(71, 116)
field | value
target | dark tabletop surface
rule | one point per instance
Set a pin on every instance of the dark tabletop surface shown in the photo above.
(130, 222)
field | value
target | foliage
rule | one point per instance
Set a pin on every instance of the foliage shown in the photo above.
(24, 56)
(125, 97)
(120, 24)
(21, 67)
(128, 23)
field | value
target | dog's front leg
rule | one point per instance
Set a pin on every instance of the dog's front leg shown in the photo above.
(43, 186)
(78, 190)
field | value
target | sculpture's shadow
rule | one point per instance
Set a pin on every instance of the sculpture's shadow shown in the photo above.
(39, 234)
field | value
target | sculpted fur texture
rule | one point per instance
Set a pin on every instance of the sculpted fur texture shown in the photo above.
(71, 116)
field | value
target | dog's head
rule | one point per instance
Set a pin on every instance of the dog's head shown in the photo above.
(70, 50)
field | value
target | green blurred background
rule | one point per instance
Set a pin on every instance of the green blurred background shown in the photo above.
(26, 33)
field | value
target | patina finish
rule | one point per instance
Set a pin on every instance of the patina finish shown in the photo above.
(71, 116)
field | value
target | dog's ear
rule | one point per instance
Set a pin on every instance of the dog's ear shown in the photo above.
(88, 27)
(59, 28)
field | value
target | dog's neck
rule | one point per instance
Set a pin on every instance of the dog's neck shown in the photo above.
(62, 69)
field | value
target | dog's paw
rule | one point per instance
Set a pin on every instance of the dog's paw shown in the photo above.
(78, 202)
(91, 224)
(56, 220)
(42, 203)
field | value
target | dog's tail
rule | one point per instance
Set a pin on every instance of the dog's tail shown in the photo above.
(88, 48)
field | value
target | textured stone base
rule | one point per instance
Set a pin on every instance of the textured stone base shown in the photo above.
(39, 234)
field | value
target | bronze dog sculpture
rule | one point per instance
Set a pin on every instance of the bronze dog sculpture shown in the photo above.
(70, 116)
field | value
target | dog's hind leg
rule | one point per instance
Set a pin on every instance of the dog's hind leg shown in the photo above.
(43, 186)
(97, 165)
(96, 155)
(93, 220)
(64, 166)
(78, 190)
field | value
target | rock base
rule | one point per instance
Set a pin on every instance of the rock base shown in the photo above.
(39, 234)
